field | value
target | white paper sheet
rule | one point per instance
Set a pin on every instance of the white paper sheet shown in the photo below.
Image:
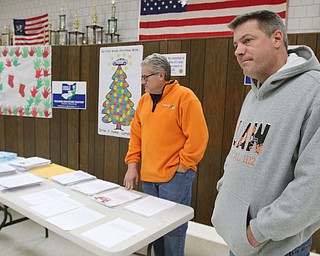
(94, 187)
(150, 206)
(71, 178)
(113, 232)
(6, 169)
(29, 163)
(43, 196)
(20, 180)
(56, 207)
(116, 197)
(75, 218)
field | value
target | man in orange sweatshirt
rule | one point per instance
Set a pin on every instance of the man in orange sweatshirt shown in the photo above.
(169, 136)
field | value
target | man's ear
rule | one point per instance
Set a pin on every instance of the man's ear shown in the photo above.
(162, 75)
(278, 38)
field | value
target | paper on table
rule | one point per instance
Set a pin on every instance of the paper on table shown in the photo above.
(6, 169)
(113, 232)
(150, 206)
(51, 170)
(72, 177)
(30, 162)
(43, 196)
(116, 197)
(75, 218)
(94, 187)
(20, 180)
(56, 207)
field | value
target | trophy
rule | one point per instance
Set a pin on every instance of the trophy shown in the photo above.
(76, 22)
(94, 15)
(113, 9)
(62, 18)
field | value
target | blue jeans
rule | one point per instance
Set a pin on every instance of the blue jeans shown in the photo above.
(179, 190)
(302, 250)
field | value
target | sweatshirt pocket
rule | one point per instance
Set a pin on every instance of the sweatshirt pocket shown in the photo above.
(230, 220)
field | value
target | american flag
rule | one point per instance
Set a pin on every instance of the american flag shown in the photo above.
(31, 31)
(167, 19)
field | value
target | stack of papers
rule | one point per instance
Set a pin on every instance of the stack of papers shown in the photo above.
(94, 187)
(6, 169)
(116, 197)
(20, 181)
(25, 164)
(72, 178)
(7, 156)
(150, 206)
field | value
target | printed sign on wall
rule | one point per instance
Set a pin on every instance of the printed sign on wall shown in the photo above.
(119, 89)
(177, 62)
(69, 94)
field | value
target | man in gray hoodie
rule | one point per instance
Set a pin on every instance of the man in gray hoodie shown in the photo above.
(269, 196)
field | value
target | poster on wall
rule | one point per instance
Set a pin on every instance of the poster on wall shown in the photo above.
(69, 94)
(25, 81)
(119, 88)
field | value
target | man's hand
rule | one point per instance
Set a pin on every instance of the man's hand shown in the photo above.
(251, 238)
(131, 178)
(181, 169)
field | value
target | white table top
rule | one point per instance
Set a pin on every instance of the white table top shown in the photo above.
(155, 226)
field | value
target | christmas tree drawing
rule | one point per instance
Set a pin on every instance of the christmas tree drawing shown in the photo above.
(118, 108)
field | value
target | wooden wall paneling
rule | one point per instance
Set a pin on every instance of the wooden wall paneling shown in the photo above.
(111, 159)
(99, 139)
(11, 133)
(174, 46)
(55, 131)
(186, 48)
(150, 47)
(92, 108)
(84, 126)
(163, 47)
(42, 137)
(2, 133)
(308, 40)
(235, 93)
(195, 81)
(123, 148)
(214, 73)
(74, 58)
(64, 66)
(292, 39)
(20, 135)
(29, 137)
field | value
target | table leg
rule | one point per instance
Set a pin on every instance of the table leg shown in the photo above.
(7, 218)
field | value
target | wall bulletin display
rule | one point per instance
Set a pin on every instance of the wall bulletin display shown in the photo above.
(119, 89)
(25, 81)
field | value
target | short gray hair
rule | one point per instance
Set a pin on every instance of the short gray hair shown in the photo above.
(268, 22)
(158, 63)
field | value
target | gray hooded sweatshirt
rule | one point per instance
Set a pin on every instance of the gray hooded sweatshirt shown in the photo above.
(272, 173)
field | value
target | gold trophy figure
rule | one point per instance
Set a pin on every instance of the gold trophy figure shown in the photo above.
(76, 23)
(94, 15)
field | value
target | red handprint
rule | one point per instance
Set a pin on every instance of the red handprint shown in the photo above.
(17, 51)
(34, 91)
(46, 52)
(46, 92)
(5, 51)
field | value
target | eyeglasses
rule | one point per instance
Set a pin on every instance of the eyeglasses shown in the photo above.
(145, 77)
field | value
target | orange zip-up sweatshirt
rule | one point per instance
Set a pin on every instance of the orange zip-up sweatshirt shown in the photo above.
(174, 132)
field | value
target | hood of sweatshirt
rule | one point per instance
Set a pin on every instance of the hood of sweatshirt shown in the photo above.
(301, 59)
